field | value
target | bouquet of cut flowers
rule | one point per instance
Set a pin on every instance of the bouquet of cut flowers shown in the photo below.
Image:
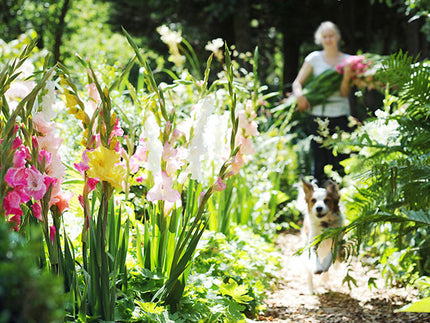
(317, 90)
(364, 68)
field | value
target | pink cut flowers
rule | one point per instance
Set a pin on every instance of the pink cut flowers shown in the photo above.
(358, 64)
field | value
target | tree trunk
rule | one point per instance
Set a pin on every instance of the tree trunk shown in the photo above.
(60, 30)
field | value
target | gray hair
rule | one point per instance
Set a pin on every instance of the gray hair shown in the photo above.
(324, 26)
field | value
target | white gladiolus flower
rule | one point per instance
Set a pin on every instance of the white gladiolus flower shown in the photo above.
(198, 147)
(151, 132)
(216, 136)
(48, 101)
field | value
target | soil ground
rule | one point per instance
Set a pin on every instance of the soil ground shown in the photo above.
(334, 302)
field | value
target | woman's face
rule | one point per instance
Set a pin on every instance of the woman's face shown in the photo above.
(329, 38)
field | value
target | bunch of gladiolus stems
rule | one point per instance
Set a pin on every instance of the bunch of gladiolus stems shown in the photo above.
(175, 214)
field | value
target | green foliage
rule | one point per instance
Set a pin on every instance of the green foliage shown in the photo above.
(27, 293)
(389, 210)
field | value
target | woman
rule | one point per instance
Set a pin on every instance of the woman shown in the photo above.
(337, 108)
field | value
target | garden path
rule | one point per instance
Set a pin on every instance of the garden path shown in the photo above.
(334, 302)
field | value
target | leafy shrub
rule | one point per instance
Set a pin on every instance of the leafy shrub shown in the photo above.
(27, 294)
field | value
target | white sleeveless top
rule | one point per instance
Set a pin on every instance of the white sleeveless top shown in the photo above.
(336, 105)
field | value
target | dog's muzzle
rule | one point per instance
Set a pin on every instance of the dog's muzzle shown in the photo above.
(320, 213)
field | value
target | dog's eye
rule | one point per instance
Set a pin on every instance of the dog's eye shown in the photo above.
(327, 200)
(313, 200)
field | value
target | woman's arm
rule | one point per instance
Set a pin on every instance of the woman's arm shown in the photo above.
(345, 86)
(302, 103)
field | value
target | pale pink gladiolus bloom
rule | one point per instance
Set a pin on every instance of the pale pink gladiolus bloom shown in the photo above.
(168, 151)
(41, 125)
(36, 186)
(49, 143)
(173, 159)
(201, 196)
(52, 232)
(162, 189)
(219, 185)
(93, 93)
(16, 177)
(55, 168)
(250, 128)
(138, 158)
(37, 211)
(236, 163)
(246, 145)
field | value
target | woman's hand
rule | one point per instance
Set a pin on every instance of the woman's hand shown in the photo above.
(303, 103)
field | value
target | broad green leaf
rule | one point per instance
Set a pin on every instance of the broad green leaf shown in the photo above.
(237, 292)
(421, 306)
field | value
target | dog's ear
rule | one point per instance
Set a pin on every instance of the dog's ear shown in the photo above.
(332, 189)
(308, 188)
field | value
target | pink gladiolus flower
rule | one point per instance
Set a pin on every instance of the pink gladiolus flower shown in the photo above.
(62, 200)
(219, 185)
(16, 219)
(36, 186)
(139, 179)
(19, 158)
(16, 143)
(37, 211)
(49, 143)
(162, 189)
(201, 196)
(92, 182)
(16, 177)
(81, 200)
(250, 127)
(48, 180)
(13, 200)
(246, 145)
(83, 165)
(93, 93)
(52, 232)
(41, 125)
(236, 163)
(43, 154)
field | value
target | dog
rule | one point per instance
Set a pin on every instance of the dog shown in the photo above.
(321, 211)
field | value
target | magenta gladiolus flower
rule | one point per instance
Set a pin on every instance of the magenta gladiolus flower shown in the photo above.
(52, 232)
(219, 185)
(43, 154)
(162, 189)
(36, 186)
(16, 177)
(13, 200)
(19, 158)
(92, 182)
(37, 211)
(83, 165)
(16, 143)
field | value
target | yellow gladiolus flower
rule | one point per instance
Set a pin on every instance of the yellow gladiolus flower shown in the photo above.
(70, 99)
(104, 164)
